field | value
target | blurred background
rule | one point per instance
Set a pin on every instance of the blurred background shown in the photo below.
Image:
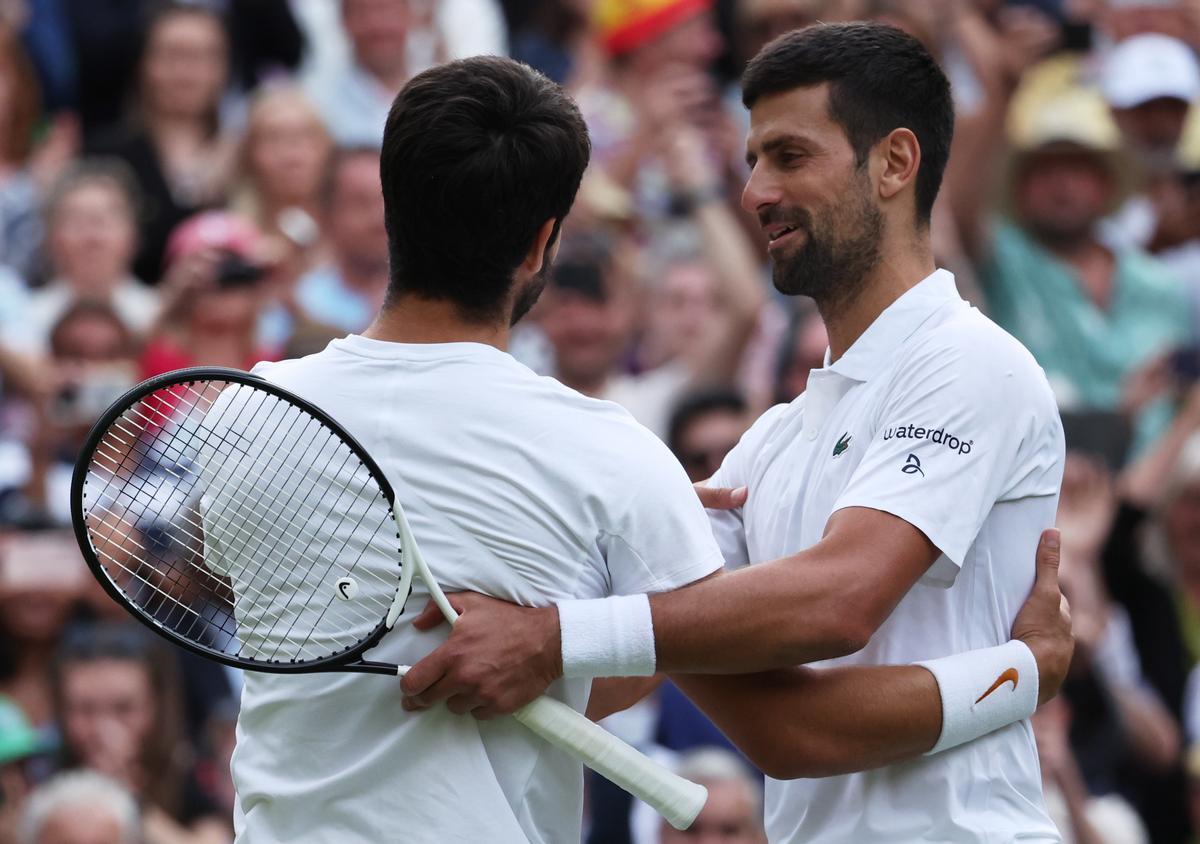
(197, 183)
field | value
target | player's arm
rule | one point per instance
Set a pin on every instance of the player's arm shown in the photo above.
(824, 602)
(816, 722)
(820, 603)
(807, 722)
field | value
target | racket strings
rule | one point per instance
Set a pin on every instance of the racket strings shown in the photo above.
(194, 523)
(259, 464)
(218, 523)
(191, 520)
(304, 447)
(222, 512)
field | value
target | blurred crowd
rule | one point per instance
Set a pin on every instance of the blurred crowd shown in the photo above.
(197, 183)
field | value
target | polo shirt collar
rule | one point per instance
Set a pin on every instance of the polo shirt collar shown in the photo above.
(871, 352)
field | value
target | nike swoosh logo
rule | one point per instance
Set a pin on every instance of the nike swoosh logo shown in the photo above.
(1009, 675)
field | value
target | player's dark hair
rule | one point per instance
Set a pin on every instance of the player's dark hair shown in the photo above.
(880, 79)
(477, 155)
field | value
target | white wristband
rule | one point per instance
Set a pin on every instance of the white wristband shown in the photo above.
(607, 637)
(984, 690)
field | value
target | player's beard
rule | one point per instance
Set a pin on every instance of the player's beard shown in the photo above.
(528, 296)
(841, 248)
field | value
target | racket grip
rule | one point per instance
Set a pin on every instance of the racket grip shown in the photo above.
(676, 799)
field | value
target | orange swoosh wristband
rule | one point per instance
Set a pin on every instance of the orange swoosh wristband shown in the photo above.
(983, 690)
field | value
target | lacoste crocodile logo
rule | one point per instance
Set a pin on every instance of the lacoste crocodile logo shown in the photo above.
(842, 445)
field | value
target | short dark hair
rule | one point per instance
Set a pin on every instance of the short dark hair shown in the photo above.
(880, 79)
(477, 155)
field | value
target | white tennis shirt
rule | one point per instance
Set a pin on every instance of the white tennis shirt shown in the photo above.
(514, 486)
(939, 417)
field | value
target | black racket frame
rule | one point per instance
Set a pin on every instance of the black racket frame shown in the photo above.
(345, 660)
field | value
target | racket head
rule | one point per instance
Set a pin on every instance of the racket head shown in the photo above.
(153, 543)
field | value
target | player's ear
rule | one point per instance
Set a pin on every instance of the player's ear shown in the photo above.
(546, 238)
(898, 156)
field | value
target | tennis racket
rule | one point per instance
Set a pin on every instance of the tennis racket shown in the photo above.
(243, 523)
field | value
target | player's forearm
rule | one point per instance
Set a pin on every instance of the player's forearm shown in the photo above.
(823, 602)
(616, 694)
(776, 615)
(823, 722)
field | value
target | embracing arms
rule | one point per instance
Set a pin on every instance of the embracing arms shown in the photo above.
(798, 722)
(820, 603)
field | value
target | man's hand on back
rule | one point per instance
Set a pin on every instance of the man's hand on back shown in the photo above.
(1044, 622)
(499, 657)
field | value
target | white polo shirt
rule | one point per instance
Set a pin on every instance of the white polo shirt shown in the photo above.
(939, 417)
(514, 486)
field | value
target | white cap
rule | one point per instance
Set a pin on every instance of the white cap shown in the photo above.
(1146, 67)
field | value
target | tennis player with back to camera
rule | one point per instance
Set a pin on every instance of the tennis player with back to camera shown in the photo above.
(897, 499)
(517, 487)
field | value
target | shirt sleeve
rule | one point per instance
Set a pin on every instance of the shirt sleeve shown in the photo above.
(661, 540)
(966, 424)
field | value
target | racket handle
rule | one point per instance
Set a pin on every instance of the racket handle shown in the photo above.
(676, 799)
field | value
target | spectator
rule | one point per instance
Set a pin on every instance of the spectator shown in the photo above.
(215, 292)
(172, 140)
(1080, 817)
(41, 578)
(347, 290)
(1147, 552)
(118, 700)
(657, 91)
(284, 152)
(93, 360)
(551, 38)
(19, 742)
(1178, 535)
(1106, 664)
(1089, 314)
(1149, 82)
(80, 807)
(704, 427)
(733, 813)
(355, 99)
(758, 21)
(802, 350)
(1155, 539)
(91, 240)
(657, 88)
(20, 226)
(587, 318)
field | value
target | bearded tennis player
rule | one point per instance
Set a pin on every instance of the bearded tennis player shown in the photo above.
(893, 508)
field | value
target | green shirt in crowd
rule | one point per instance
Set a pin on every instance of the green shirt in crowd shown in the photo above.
(1086, 351)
